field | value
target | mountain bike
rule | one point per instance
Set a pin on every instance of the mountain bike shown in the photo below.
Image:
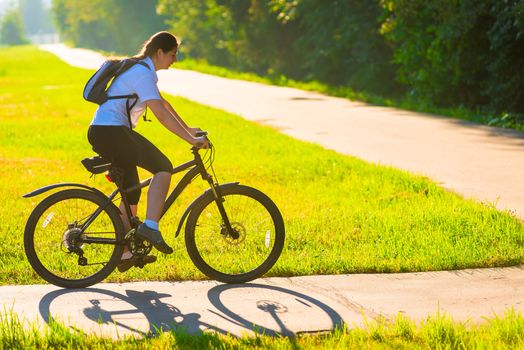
(75, 237)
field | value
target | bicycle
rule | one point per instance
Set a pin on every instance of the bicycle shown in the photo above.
(75, 237)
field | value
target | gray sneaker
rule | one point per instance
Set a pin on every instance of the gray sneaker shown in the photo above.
(154, 237)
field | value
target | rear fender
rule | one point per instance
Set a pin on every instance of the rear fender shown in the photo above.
(65, 184)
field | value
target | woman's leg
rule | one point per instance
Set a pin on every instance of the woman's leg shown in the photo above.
(116, 144)
(153, 160)
(156, 195)
(123, 215)
(127, 224)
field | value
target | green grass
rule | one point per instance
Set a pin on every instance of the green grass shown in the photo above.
(504, 120)
(342, 215)
(437, 332)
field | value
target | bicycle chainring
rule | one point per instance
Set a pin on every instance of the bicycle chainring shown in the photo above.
(137, 246)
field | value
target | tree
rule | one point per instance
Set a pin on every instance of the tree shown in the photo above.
(206, 29)
(452, 53)
(340, 43)
(337, 42)
(111, 25)
(34, 16)
(12, 29)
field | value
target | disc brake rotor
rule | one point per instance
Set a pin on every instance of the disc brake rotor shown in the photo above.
(239, 229)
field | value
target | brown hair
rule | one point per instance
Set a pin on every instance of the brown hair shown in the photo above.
(161, 40)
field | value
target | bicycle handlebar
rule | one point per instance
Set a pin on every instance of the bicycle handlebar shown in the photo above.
(202, 134)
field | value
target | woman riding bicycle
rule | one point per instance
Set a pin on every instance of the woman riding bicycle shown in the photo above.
(113, 138)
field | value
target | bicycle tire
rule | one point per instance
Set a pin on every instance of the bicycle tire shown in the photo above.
(245, 207)
(47, 233)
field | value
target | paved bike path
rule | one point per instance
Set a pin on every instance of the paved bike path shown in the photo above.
(285, 306)
(449, 151)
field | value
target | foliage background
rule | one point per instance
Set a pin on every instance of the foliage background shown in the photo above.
(448, 53)
(111, 25)
(12, 28)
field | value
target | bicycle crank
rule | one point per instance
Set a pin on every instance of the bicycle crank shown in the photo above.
(136, 245)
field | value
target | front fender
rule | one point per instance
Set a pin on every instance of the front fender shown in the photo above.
(65, 184)
(207, 193)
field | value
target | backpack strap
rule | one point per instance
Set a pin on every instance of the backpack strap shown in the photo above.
(129, 105)
(120, 96)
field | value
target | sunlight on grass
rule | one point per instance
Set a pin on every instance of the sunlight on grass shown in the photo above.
(342, 215)
(435, 332)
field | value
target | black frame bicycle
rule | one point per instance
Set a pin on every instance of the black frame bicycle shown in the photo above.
(75, 237)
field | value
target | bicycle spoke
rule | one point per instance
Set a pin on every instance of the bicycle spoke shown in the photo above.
(250, 220)
(59, 242)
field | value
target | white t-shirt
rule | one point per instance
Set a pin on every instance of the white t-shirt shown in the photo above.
(137, 80)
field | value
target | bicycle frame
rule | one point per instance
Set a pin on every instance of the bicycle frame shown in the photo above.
(196, 167)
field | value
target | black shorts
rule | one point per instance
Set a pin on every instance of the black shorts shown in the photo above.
(128, 149)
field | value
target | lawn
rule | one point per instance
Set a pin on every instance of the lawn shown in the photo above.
(342, 214)
(437, 332)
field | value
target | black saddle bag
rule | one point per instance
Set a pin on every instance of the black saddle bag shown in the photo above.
(96, 165)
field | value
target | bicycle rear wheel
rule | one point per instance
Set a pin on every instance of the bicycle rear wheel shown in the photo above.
(60, 252)
(258, 223)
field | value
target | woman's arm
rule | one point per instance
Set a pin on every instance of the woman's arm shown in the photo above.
(170, 108)
(172, 121)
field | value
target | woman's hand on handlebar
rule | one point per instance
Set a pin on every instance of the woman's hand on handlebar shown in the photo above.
(201, 142)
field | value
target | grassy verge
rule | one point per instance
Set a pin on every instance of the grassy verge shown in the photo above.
(342, 214)
(438, 332)
(505, 120)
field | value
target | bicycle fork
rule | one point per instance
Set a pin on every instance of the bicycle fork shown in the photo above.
(219, 200)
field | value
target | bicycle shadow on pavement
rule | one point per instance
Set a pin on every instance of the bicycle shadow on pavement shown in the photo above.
(285, 308)
(140, 313)
(226, 309)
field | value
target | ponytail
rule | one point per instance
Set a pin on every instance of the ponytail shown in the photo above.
(161, 40)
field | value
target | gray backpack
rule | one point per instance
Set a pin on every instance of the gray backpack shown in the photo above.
(96, 87)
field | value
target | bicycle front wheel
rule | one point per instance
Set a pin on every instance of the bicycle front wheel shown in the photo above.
(257, 223)
(62, 250)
